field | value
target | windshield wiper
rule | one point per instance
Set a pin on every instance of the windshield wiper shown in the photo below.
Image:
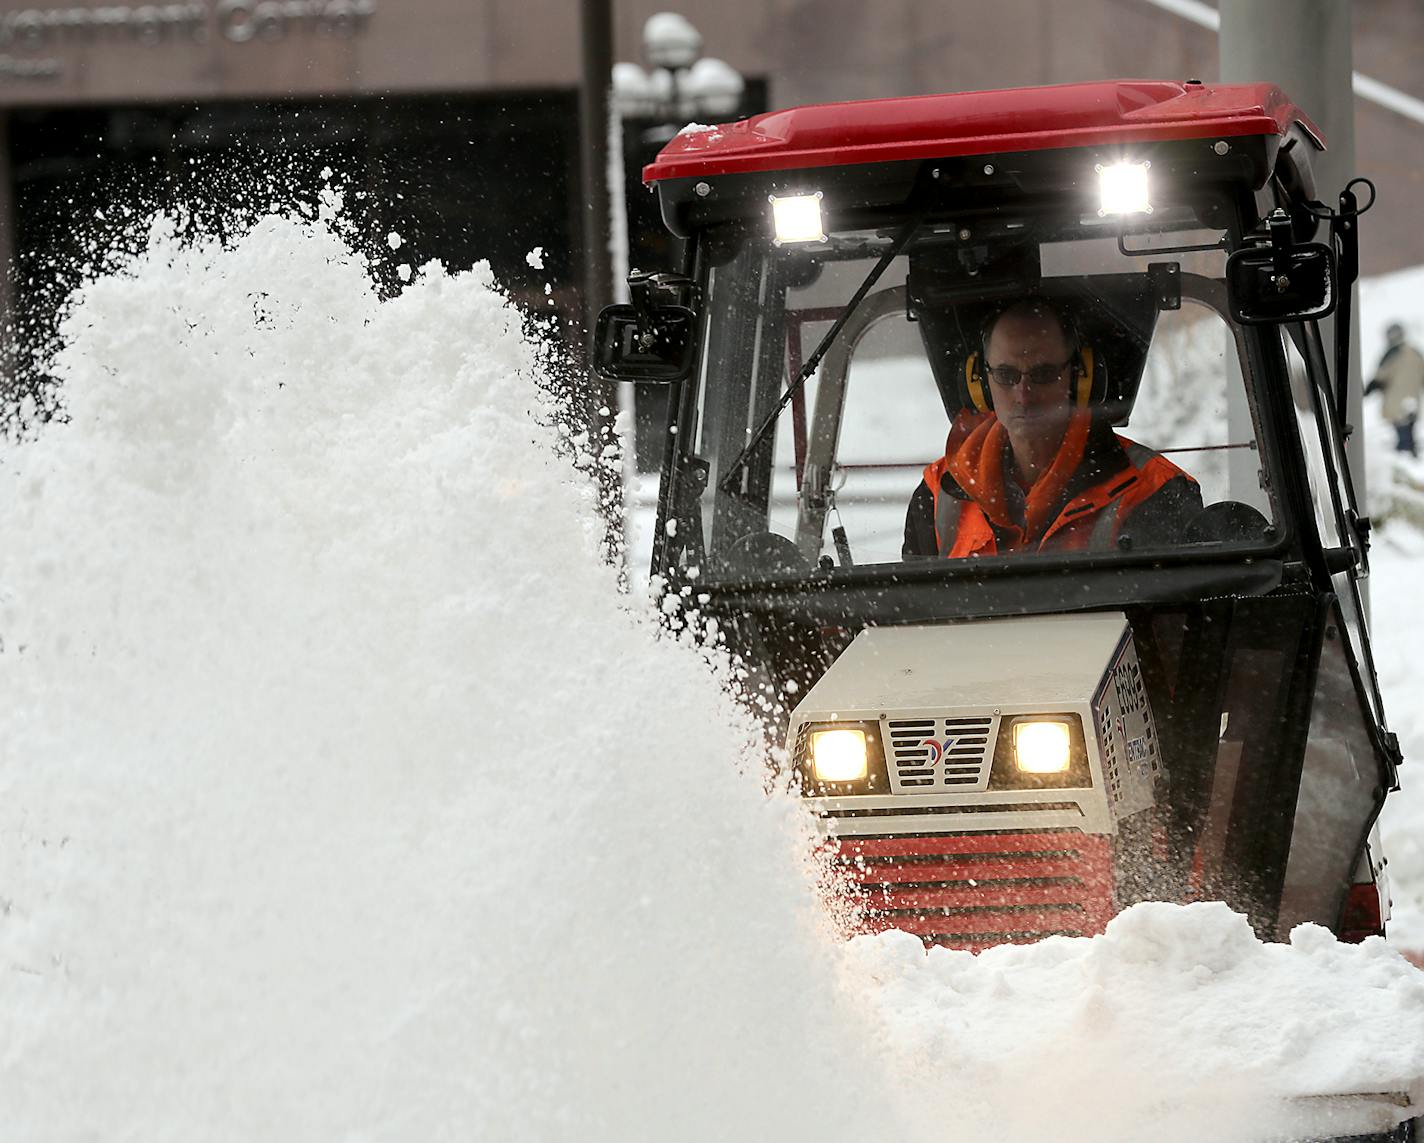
(735, 468)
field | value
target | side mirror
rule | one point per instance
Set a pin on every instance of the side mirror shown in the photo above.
(655, 345)
(1260, 291)
(1280, 280)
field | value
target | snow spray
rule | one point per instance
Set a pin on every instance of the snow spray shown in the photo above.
(342, 794)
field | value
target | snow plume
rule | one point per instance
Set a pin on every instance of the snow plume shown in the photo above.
(342, 795)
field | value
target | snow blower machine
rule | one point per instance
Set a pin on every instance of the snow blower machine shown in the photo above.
(1007, 447)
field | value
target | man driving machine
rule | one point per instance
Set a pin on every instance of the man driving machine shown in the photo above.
(1042, 470)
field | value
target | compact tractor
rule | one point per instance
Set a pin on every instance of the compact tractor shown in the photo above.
(1007, 734)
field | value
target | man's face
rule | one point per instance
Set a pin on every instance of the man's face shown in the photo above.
(1034, 415)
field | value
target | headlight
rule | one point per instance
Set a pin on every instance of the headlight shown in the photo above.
(797, 218)
(839, 755)
(1124, 188)
(1042, 747)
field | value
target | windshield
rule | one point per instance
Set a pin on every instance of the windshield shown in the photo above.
(1047, 389)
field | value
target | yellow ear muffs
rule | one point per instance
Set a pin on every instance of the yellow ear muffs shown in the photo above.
(979, 398)
(1084, 377)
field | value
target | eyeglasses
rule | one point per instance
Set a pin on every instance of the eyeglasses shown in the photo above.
(1010, 375)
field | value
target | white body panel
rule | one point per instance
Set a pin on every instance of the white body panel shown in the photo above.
(1127, 735)
(1033, 662)
(941, 695)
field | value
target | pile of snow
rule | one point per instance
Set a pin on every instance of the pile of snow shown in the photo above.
(343, 796)
(1177, 1023)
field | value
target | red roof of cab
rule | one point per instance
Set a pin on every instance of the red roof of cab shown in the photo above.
(978, 123)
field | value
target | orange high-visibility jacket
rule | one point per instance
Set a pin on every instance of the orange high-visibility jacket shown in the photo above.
(1099, 489)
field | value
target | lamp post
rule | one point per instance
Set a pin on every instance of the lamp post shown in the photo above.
(596, 405)
(649, 106)
(680, 83)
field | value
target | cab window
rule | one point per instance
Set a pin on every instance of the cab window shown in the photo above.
(1073, 397)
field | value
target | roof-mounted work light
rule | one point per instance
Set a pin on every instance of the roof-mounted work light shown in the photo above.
(797, 218)
(1124, 188)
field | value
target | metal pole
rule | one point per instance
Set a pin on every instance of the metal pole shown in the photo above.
(9, 317)
(596, 30)
(1304, 47)
(601, 406)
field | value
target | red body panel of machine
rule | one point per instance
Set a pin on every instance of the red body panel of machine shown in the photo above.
(971, 891)
(978, 123)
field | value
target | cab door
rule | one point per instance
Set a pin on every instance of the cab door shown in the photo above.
(1351, 757)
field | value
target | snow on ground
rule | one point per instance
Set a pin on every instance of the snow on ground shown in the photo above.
(1176, 1023)
(1396, 603)
(343, 796)
(1398, 628)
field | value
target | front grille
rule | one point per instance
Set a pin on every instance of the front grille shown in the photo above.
(928, 754)
(972, 891)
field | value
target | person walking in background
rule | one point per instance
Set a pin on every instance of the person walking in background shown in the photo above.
(1400, 375)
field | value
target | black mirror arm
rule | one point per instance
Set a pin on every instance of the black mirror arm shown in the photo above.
(1344, 227)
(639, 288)
(639, 297)
(647, 290)
(1278, 225)
(1345, 238)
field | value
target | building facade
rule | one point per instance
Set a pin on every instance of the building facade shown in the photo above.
(455, 122)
